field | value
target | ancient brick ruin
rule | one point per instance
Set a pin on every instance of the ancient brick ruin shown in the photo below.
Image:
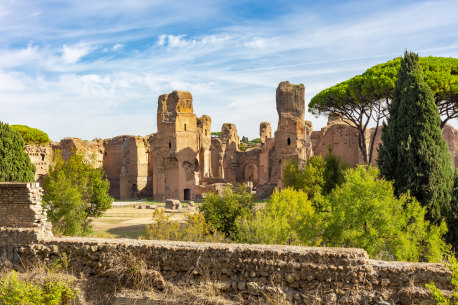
(304, 275)
(183, 161)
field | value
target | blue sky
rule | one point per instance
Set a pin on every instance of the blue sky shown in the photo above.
(95, 68)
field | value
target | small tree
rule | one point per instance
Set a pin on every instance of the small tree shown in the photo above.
(15, 164)
(365, 213)
(221, 211)
(287, 218)
(75, 192)
(413, 153)
(310, 179)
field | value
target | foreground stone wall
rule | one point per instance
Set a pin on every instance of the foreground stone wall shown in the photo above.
(304, 275)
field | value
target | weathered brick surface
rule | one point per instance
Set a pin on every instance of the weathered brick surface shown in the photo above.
(20, 207)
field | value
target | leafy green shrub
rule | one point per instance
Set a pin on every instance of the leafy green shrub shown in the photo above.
(333, 171)
(75, 192)
(222, 211)
(31, 135)
(194, 229)
(287, 218)
(216, 133)
(310, 179)
(15, 164)
(365, 213)
(51, 291)
(242, 146)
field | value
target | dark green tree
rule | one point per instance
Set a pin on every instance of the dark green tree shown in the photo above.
(15, 164)
(413, 153)
(75, 193)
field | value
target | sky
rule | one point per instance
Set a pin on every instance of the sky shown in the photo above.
(95, 68)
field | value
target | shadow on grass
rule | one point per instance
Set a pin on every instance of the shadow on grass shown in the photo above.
(133, 231)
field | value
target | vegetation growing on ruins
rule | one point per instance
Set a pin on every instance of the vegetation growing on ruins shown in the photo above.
(15, 164)
(365, 98)
(75, 192)
(413, 153)
(31, 135)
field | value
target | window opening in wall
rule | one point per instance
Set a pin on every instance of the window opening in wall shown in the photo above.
(184, 127)
(105, 154)
(289, 141)
(187, 194)
(170, 144)
(42, 157)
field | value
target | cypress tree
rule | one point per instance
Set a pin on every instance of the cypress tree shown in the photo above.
(15, 164)
(413, 153)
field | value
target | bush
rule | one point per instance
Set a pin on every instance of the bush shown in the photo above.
(75, 192)
(51, 291)
(365, 213)
(287, 218)
(310, 179)
(15, 164)
(222, 211)
(31, 135)
(194, 229)
(333, 171)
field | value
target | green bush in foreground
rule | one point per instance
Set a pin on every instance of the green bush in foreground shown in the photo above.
(15, 164)
(75, 192)
(365, 213)
(287, 218)
(51, 291)
(31, 135)
(223, 211)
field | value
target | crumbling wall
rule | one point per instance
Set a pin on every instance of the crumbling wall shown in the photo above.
(20, 207)
(41, 156)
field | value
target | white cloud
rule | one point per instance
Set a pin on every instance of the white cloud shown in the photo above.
(117, 46)
(72, 54)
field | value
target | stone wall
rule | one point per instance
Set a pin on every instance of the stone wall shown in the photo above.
(20, 207)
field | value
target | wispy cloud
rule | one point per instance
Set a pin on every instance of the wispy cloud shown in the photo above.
(95, 68)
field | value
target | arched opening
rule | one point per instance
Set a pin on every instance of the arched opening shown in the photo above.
(184, 127)
(187, 194)
(42, 157)
(170, 144)
(289, 141)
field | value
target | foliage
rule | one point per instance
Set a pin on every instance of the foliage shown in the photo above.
(216, 133)
(318, 177)
(365, 213)
(437, 294)
(31, 135)
(221, 211)
(333, 171)
(310, 179)
(194, 229)
(365, 98)
(287, 218)
(247, 141)
(414, 153)
(52, 291)
(242, 146)
(15, 164)
(75, 192)
(244, 140)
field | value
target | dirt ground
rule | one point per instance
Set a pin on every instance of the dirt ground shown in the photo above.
(126, 222)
